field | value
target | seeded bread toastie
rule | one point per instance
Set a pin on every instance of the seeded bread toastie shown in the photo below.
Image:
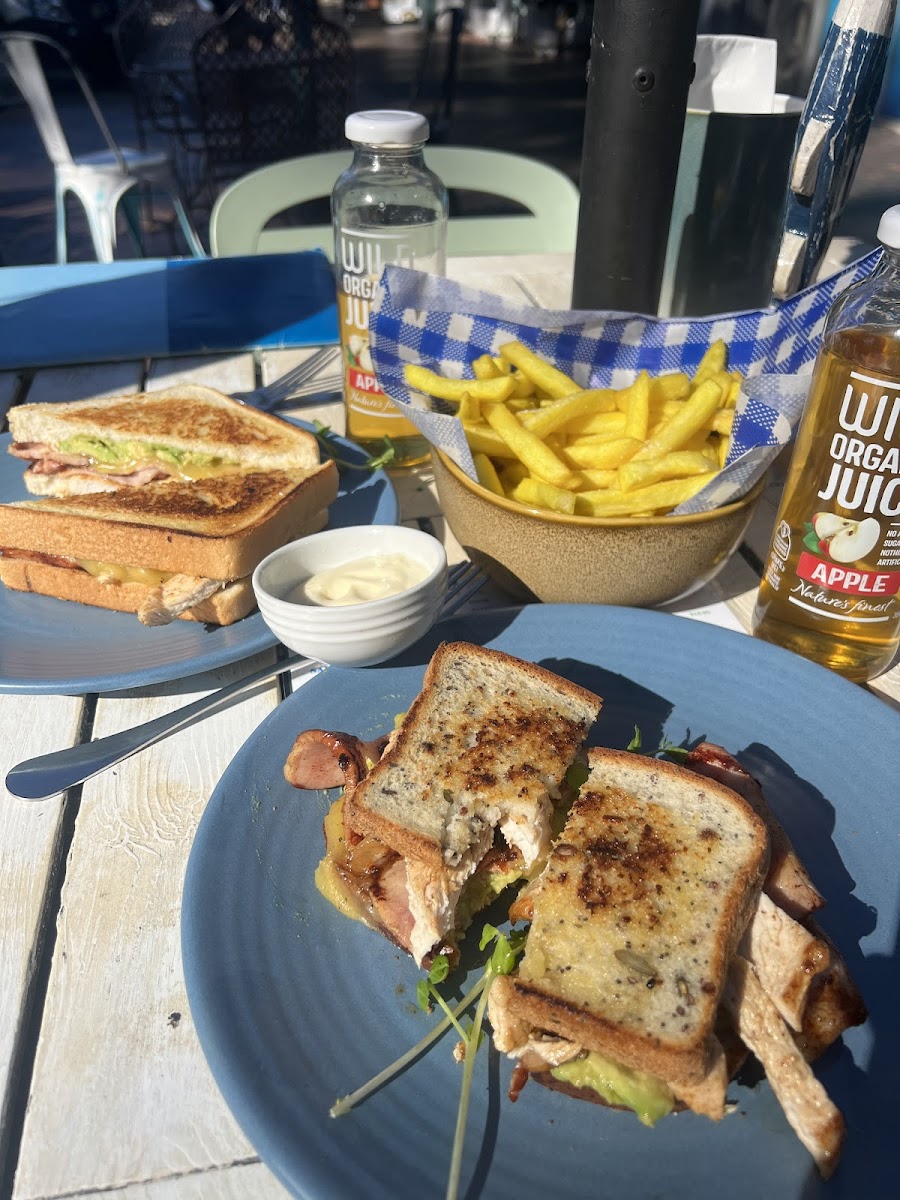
(181, 433)
(654, 961)
(634, 921)
(462, 801)
(167, 550)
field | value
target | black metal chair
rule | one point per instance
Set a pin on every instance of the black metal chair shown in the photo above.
(274, 80)
(155, 42)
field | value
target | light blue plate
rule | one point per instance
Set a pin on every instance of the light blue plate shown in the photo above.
(295, 1005)
(55, 646)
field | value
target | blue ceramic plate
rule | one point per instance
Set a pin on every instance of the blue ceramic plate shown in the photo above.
(295, 1005)
(51, 645)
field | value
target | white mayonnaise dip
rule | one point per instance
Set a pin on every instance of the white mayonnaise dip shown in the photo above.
(371, 578)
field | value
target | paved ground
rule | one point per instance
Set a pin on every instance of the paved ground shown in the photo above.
(506, 98)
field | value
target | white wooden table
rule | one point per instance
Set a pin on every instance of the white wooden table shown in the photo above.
(103, 1086)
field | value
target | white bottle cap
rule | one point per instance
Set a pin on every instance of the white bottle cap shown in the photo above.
(386, 127)
(889, 228)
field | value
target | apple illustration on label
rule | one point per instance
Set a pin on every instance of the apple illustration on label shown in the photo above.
(843, 539)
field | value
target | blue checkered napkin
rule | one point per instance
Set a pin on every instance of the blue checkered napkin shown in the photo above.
(435, 322)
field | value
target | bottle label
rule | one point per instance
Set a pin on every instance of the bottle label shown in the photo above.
(848, 564)
(361, 260)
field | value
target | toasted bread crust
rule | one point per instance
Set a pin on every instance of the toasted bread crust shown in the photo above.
(636, 916)
(185, 417)
(219, 528)
(234, 601)
(431, 758)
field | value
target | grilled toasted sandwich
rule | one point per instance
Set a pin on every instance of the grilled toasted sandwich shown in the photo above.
(461, 803)
(181, 433)
(171, 549)
(655, 960)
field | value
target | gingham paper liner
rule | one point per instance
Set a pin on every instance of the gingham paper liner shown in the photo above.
(418, 318)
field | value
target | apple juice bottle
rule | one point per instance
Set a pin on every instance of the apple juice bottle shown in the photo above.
(832, 576)
(386, 208)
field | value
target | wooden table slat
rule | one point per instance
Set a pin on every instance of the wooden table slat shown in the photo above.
(121, 1090)
(29, 852)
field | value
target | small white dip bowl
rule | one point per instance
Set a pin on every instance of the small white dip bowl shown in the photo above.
(351, 635)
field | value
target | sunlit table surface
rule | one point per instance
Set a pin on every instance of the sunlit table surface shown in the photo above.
(103, 1086)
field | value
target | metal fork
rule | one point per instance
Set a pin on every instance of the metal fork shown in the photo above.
(43, 777)
(305, 378)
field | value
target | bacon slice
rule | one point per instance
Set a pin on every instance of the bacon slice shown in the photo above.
(811, 1114)
(322, 759)
(45, 457)
(787, 882)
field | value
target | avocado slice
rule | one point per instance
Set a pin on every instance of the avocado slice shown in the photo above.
(646, 1095)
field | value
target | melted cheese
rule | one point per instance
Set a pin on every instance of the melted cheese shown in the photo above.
(113, 573)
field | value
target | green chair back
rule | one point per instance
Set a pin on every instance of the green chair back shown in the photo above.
(239, 217)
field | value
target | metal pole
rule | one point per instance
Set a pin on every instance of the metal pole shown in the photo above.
(642, 54)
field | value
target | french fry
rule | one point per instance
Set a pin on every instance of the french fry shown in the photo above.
(677, 465)
(550, 380)
(487, 475)
(675, 386)
(543, 495)
(600, 455)
(432, 384)
(609, 502)
(637, 411)
(734, 389)
(484, 367)
(483, 440)
(559, 414)
(606, 424)
(723, 420)
(511, 473)
(596, 478)
(678, 430)
(724, 446)
(711, 362)
(530, 449)
(469, 410)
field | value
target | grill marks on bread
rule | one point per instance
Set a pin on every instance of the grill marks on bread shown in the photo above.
(208, 508)
(184, 417)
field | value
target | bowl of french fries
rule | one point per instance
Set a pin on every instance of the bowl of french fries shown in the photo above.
(576, 486)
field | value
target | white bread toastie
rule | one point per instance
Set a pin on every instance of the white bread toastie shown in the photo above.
(171, 549)
(181, 433)
(460, 804)
(654, 960)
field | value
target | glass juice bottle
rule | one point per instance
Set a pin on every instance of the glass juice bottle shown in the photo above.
(832, 576)
(386, 208)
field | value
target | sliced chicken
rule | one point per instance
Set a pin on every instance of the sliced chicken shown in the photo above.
(174, 597)
(811, 1114)
(787, 882)
(833, 1005)
(786, 958)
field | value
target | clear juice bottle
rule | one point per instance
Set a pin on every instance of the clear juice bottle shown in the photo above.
(388, 207)
(832, 576)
